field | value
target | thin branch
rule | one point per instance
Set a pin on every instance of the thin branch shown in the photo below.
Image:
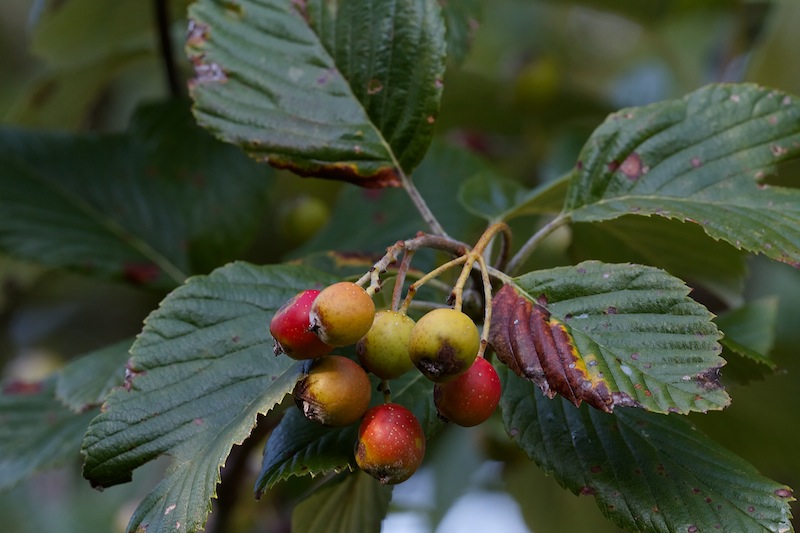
(421, 205)
(161, 8)
(527, 249)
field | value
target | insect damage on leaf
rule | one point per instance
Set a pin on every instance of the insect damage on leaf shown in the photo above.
(352, 173)
(540, 348)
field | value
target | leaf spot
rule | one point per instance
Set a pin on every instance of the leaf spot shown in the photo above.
(207, 72)
(783, 493)
(196, 33)
(692, 529)
(322, 80)
(633, 168)
(778, 150)
(735, 98)
(696, 162)
(170, 509)
(751, 509)
(786, 100)
(626, 370)
(374, 86)
(773, 119)
(140, 273)
(429, 119)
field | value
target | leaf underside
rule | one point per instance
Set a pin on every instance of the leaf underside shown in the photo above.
(356, 503)
(610, 335)
(341, 90)
(648, 472)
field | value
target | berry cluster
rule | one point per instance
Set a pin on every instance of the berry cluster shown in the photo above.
(443, 345)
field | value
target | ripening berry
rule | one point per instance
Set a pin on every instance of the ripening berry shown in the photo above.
(391, 443)
(289, 328)
(335, 393)
(443, 344)
(342, 313)
(469, 398)
(384, 349)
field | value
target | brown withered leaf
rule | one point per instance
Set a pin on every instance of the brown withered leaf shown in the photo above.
(539, 347)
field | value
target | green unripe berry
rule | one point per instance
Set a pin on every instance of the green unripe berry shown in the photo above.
(336, 392)
(302, 218)
(384, 349)
(443, 344)
(341, 314)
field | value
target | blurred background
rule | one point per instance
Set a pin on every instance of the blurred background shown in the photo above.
(539, 77)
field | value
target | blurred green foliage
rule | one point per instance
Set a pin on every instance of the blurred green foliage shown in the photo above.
(540, 76)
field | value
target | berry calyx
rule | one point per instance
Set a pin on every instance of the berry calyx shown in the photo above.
(342, 313)
(443, 344)
(336, 392)
(289, 328)
(470, 398)
(391, 443)
(384, 349)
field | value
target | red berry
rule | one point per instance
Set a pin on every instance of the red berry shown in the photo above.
(336, 392)
(471, 397)
(290, 329)
(391, 443)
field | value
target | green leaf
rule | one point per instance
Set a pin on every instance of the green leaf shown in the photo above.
(343, 90)
(106, 30)
(650, 13)
(749, 337)
(681, 249)
(610, 335)
(498, 199)
(698, 159)
(200, 372)
(64, 99)
(36, 431)
(648, 472)
(179, 201)
(356, 503)
(85, 382)
(298, 447)
(462, 20)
